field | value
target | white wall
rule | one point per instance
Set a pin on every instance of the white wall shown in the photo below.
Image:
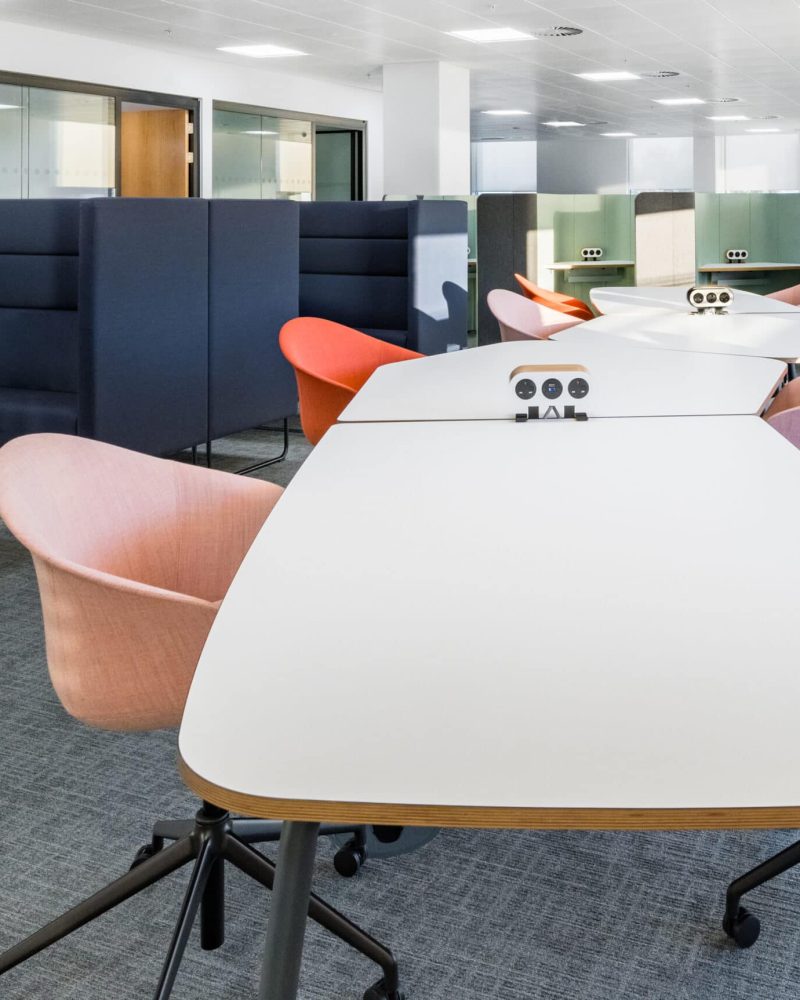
(503, 167)
(42, 52)
(661, 164)
(583, 166)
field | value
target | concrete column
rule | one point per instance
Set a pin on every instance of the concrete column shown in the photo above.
(426, 129)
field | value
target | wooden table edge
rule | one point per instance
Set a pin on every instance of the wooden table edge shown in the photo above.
(490, 817)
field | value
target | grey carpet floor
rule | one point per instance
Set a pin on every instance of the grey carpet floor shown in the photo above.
(471, 916)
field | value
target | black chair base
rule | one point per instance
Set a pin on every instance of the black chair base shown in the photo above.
(738, 923)
(209, 841)
(258, 465)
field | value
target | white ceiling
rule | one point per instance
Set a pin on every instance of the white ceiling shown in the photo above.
(721, 48)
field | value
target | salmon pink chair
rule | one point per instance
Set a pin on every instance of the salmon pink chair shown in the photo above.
(784, 412)
(521, 319)
(789, 295)
(553, 300)
(331, 362)
(133, 556)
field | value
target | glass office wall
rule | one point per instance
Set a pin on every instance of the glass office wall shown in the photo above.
(260, 153)
(260, 156)
(55, 144)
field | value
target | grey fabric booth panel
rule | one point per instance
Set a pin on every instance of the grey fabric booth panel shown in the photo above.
(396, 270)
(144, 323)
(253, 290)
(38, 316)
(38, 281)
(39, 349)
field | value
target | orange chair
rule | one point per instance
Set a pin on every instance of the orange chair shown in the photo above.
(133, 556)
(789, 295)
(331, 362)
(554, 300)
(784, 412)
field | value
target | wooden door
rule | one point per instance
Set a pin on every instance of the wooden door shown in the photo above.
(155, 153)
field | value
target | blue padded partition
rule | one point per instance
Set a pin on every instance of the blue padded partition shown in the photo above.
(354, 265)
(38, 316)
(437, 266)
(253, 290)
(144, 323)
(396, 270)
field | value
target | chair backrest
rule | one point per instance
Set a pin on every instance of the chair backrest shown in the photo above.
(784, 412)
(331, 362)
(553, 300)
(788, 295)
(520, 318)
(133, 555)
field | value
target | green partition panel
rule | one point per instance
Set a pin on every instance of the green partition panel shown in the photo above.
(767, 225)
(567, 223)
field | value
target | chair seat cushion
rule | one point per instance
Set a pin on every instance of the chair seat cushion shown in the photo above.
(31, 411)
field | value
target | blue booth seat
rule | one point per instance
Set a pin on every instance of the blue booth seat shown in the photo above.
(394, 270)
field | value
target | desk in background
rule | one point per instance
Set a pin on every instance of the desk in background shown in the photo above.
(612, 300)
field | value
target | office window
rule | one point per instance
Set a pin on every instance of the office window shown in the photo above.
(260, 156)
(55, 144)
(261, 153)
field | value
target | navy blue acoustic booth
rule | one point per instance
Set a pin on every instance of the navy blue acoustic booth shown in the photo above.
(395, 270)
(144, 323)
(253, 262)
(38, 317)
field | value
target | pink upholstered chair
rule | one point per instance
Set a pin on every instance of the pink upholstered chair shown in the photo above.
(519, 318)
(133, 556)
(788, 295)
(784, 412)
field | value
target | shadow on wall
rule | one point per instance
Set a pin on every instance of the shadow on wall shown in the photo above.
(447, 324)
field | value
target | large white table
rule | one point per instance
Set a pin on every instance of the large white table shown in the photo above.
(617, 299)
(774, 335)
(625, 381)
(571, 635)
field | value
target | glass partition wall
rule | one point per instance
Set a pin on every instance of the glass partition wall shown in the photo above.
(260, 153)
(55, 144)
(60, 139)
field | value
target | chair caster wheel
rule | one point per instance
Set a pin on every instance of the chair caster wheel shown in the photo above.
(348, 860)
(744, 928)
(145, 852)
(378, 991)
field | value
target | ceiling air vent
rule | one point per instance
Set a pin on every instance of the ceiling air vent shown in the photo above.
(722, 100)
(661, 74)
(595, 123)
(560, 31)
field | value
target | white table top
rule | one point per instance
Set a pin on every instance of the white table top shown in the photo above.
(748, 265)
(594, 616)
(610, 301)
(624, 381)
(571, 265)
(773, 335)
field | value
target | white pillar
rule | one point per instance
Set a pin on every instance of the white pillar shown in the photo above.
(426, 129)
(709, 163)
